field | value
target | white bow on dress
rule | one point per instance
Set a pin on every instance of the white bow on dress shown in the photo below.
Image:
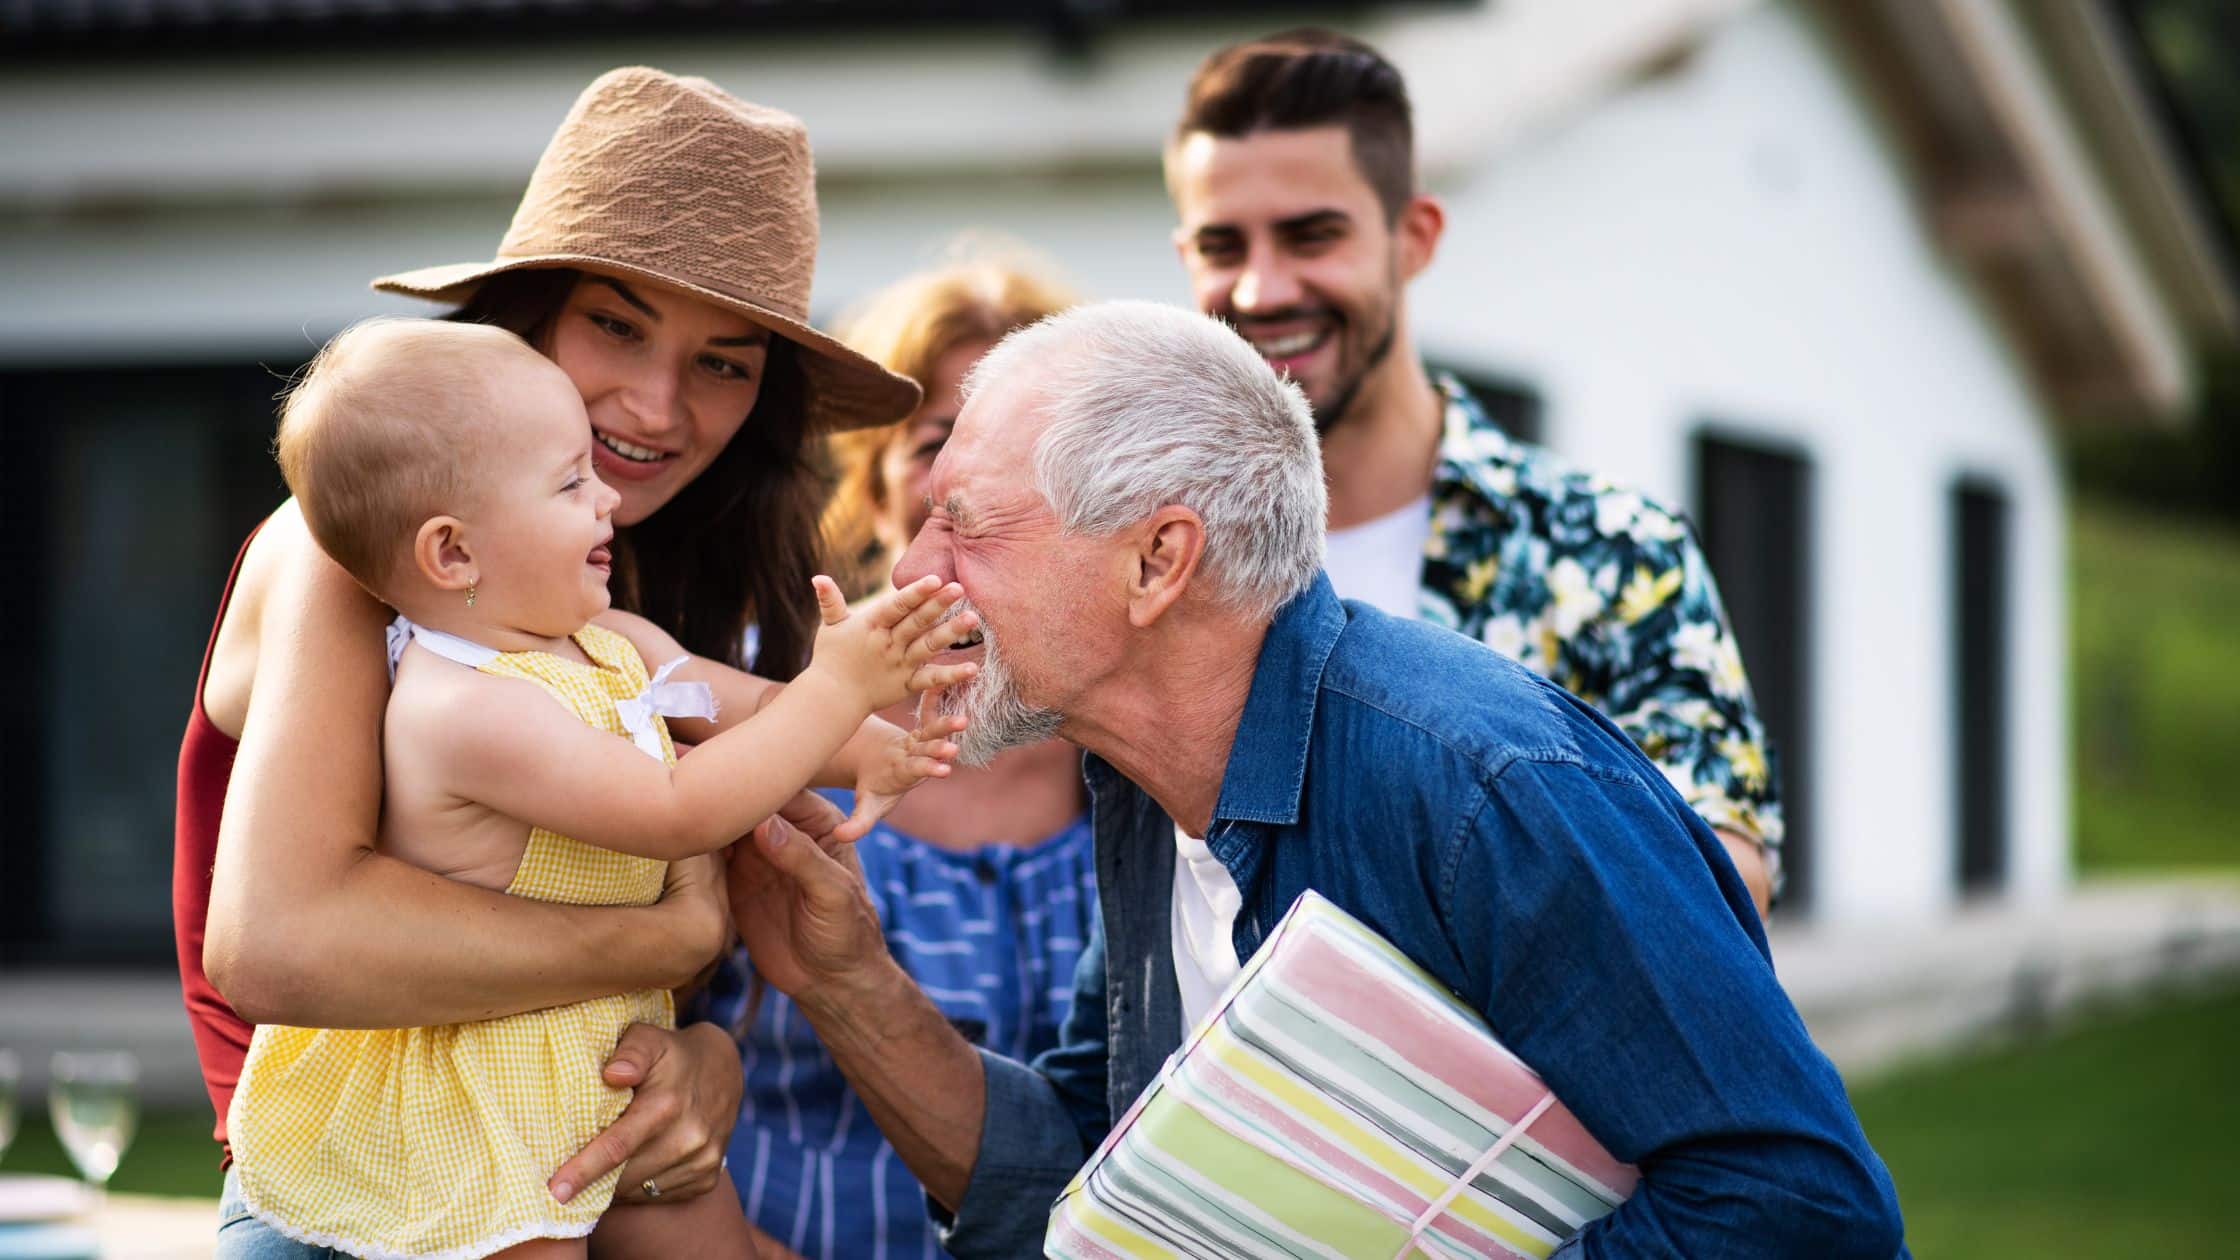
(665, 699)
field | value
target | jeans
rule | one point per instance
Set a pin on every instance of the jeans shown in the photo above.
(242, 1236)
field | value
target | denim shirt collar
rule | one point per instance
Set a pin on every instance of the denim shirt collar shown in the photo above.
(1267, 768)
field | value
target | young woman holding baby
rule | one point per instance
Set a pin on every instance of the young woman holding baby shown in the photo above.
(680, 319)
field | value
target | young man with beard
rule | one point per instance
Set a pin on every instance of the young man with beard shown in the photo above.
(1292, 170)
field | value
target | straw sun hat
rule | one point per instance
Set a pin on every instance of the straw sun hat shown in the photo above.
(675, 181)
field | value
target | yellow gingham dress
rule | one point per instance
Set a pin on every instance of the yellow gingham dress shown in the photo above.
(439, 1141)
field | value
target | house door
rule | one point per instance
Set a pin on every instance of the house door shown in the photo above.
(1981, 516)
(1753, 511)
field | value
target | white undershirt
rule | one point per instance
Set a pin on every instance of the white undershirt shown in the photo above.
(1205, 919)
(1380, 562)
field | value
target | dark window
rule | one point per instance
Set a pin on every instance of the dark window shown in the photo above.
(1980, 530)
(1754, 513)
(134, 490)
(1511, 403)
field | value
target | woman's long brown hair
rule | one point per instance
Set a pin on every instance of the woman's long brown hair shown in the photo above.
(737, 546)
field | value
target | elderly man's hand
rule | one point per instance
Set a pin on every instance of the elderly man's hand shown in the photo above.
(798, 899)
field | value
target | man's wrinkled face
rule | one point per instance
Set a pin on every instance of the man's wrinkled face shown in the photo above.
(1283, 237)
(1043, 611)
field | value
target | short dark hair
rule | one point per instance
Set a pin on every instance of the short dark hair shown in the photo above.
(1311, 77)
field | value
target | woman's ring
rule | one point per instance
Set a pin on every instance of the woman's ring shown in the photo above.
(652, 1191)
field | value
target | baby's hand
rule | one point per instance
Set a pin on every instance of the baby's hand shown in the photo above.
(909, 759)
(884, 652)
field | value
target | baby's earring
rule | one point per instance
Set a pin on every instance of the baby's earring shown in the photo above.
(470, 594)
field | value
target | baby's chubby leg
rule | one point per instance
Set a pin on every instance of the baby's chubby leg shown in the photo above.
(708, 1225)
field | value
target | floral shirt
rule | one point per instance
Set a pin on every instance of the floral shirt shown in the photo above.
(1606, 593)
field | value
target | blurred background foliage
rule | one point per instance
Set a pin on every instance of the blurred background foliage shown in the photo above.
(2191, 49)
(2155, 538)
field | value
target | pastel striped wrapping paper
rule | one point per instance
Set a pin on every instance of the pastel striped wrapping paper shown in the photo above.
(1335, 1096)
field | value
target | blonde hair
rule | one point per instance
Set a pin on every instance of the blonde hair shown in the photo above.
(906, 328)
(381, 430)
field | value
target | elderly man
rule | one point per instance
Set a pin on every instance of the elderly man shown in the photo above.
(1133, 503)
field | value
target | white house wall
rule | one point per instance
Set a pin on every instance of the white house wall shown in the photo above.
(1730, 241)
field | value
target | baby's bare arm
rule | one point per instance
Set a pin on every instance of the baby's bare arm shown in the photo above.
(509, 748)
(422, 822)
(741, 695)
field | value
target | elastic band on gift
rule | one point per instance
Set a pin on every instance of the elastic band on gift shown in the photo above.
(1470, 1174)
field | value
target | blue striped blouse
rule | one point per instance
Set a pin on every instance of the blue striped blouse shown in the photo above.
(992, 936)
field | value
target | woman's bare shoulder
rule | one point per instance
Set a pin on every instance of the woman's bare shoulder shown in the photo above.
(317, 588)
(287, 587)
(283, 557)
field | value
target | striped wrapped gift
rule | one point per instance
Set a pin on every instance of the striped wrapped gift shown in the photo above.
(1338, 1102)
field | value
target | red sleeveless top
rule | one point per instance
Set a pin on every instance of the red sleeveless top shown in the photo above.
(221, 1038)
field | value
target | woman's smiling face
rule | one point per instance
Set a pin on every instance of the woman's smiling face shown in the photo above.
(666, 378)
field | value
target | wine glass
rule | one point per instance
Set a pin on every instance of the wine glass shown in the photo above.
(11, 1074)
(94, 1099)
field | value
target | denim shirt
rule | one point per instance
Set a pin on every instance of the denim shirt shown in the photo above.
(1515, 844)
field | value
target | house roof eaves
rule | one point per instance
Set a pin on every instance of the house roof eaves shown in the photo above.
(2080, 212)
(2155, 177)
(2065, 244)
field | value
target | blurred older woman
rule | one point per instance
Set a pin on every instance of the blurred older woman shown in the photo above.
(984, 880)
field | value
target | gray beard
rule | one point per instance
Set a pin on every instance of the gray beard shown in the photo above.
(996, 716)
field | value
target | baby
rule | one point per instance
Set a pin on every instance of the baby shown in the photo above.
(448, 467)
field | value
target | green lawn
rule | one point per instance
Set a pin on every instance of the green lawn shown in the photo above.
(2155, 683)
(2114, 1141)
(172, 1153)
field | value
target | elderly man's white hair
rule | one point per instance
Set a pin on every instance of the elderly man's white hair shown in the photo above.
(1153, 405)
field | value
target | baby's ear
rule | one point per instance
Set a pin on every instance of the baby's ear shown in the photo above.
(442, 554)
